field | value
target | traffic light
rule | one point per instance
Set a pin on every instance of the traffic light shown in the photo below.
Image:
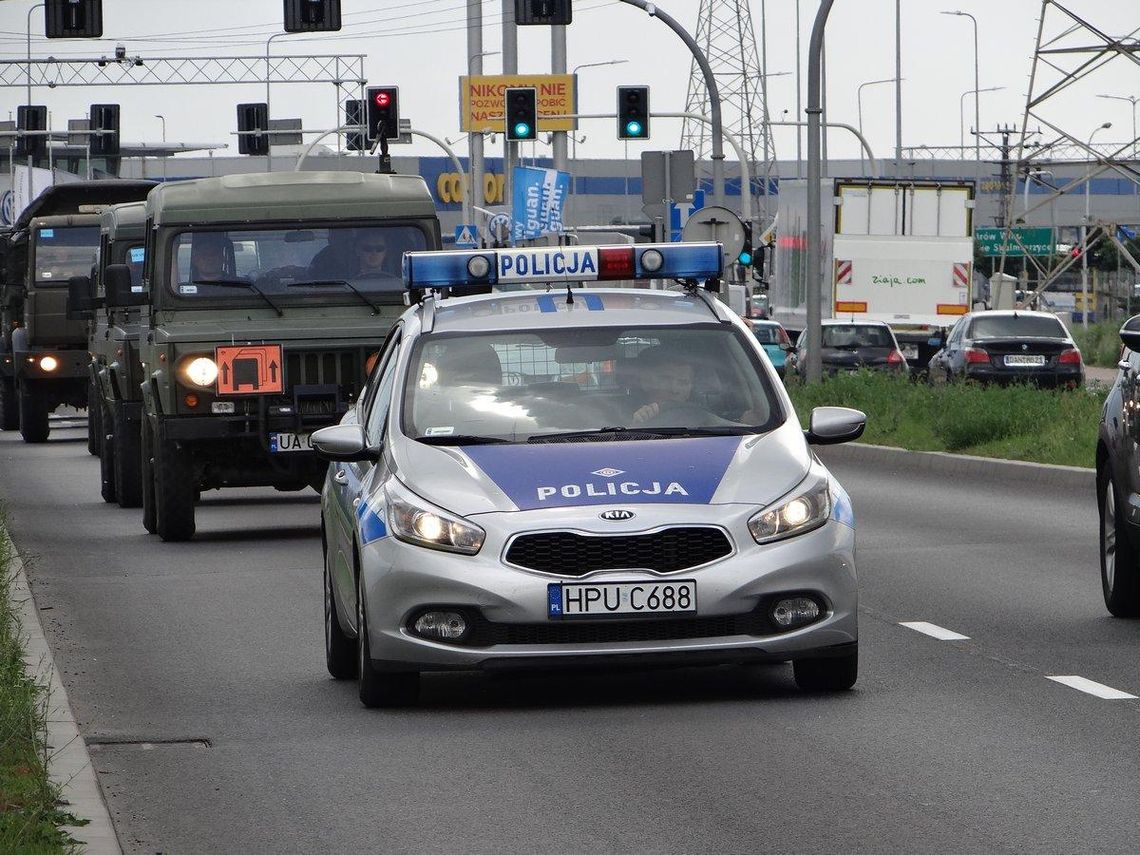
(543, 12)
(633, 112)
(746, 256)
(104, 117)
(31, 118)
(253, 117)
(383, 104)
(312, 16)
(73, 19)
(353, 118)
(521, 113)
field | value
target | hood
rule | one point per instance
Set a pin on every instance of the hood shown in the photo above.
(466, 480)
(208, 326)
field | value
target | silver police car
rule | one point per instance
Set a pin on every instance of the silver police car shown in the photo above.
(544, 478)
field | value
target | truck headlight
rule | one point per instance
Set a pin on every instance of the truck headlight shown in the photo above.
(415, 521)
(198, 371)
(803, 510)
(49, 363)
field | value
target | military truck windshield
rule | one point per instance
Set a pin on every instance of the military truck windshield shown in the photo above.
(65, 252)
(294, 264)
(134, 260)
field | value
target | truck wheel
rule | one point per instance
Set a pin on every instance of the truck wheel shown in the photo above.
(9, 414)
(836, 674)
(106, 463)
(33, 413)
(146, 469)
(173, 492)
(128, 460)
(96, 426)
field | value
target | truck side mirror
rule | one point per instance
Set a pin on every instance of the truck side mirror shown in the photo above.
(81, 304)
(117, 278)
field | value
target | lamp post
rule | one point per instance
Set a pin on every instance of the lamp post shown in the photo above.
(1085, 239)
(269, 136)
(574, 73)
(977, 88)
(163, 120)
(962, 113)
(476, 192)
(859, 101)
(1131, 99)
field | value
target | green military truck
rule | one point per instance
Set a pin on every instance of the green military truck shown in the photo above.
(115, 402)
(44, 360)
(269, 296)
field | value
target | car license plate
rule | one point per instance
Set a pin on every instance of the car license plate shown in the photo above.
(1024, 359)
(909, 351)
(282, 442)
(602, 599)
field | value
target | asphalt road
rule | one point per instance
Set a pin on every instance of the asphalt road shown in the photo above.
(196, 672)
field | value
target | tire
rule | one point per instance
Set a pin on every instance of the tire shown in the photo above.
(1119, 560)
(9, 411)
(96, 425)
(173, 493)
(340, 650)
(835, 674)
(33, 414)
(128, 461)
(146, 468)
(379, 688)
(106, 463)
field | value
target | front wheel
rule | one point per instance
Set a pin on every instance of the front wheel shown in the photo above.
(379, 688)
(33, 413)
(9, 412)
(106, 461)
(146, 474)
(96, 424)
(835, 674)
(340, 650)
(173, 491)
(1119, 561)
(128, 460)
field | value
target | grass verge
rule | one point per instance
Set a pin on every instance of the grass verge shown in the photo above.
(1012, 422)
(30, 817)
(1099, 343)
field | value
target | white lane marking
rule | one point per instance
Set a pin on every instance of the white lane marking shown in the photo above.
(933, 630)
(1089, 687)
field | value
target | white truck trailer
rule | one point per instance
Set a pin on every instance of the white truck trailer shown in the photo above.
(894, 251)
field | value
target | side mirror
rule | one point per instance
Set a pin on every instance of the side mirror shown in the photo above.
(788, 348)
(81, 305)
(1130, 333)
(342, 443)
(117, 278)
(833, 425)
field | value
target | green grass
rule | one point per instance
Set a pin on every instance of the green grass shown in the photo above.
(1012, 422)
(1099, 344)
(30, 817)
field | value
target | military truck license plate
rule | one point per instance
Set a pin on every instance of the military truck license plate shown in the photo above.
(282, 442)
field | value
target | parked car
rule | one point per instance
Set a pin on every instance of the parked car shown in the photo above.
(1007, 346)
(775, 341)
(850, 346)
(1118, 482)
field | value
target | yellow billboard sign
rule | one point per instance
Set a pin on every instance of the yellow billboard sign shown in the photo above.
(481, 100)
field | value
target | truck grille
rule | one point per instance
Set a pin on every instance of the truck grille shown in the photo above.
(343, 368)
(670, 550)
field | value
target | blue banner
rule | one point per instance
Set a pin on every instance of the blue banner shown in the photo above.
(538, 199)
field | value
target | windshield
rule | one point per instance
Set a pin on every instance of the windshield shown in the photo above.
(327, 263)
(65, 252)
(770, 334)
(1006, 326)
(515, 386)
(135, 257)
(857, 335)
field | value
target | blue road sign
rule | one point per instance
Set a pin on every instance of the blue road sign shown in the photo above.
(466, 236)
(679, 213)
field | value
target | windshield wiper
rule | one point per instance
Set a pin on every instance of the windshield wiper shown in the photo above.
(461, 439)
(620, 432)
(320, 283)
(240, 283)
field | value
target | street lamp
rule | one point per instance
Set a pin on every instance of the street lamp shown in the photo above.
(163, 120)
(977, 88)
(1131, 99)
(573, 73)
(1085, 240)
(859, 100)
(962, 115)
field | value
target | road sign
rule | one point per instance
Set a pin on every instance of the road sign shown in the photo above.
(666, 175)
(466, 236)
(250, 369)
(1036, 241)
(715, 223)
(679, 213)
(481, 100)
(499, 227)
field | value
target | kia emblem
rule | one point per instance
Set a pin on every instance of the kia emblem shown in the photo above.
(1025, 347)
(617, 515)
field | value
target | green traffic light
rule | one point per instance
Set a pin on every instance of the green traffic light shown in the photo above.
(522, 129)
(745, 258)
(633, 128)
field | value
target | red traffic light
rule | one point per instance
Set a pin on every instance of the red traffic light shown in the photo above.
(382, 98)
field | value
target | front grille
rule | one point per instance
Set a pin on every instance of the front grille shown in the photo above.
(486, 633)
(670, 550)
(331, 367)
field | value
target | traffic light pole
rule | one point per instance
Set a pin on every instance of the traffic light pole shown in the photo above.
(510, 66)
(814, 213)
(714, 94)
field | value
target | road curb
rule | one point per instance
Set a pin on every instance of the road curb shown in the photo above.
(942, 463)
(70, 763)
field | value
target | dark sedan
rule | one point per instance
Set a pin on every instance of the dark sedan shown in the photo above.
(1009, 347)
(849, 346)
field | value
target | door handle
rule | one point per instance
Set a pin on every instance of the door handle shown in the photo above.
(340, 476)
(356, 501)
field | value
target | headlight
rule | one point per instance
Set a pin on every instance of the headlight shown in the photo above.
(415, 521)
(801, 512)
(49, 363)
(199, 371)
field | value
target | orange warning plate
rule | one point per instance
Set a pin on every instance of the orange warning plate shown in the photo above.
(952, 309)
(250, 369)
(841, 306)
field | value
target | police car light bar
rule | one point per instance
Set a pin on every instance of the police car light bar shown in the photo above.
(562, 264)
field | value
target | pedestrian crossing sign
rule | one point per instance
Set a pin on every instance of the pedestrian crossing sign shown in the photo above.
(466, 236)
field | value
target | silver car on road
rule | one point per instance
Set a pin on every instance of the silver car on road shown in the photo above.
(611, 477)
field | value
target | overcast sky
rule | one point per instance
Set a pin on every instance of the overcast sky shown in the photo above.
(420, 45)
